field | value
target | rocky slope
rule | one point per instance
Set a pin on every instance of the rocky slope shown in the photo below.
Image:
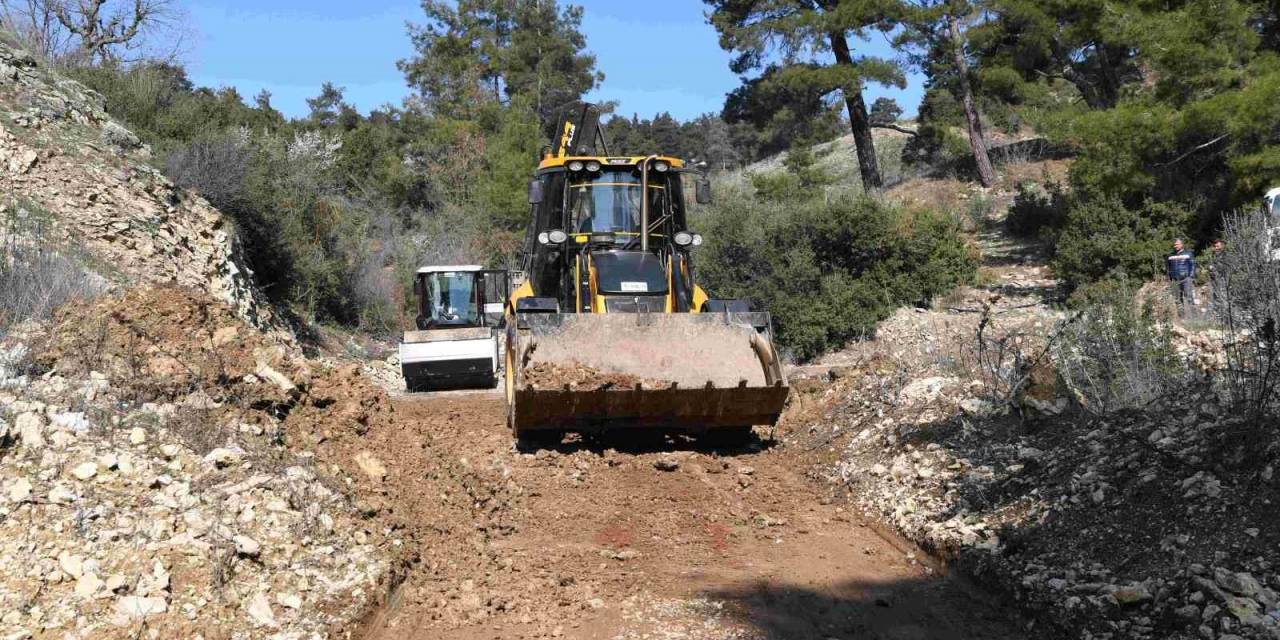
(65, 165)
(154, 479)
(1152, 523)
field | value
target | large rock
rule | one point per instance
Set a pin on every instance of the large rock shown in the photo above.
(926, 389)
(1241, 584)
(19, 490)
(30, 429)
(259, 609)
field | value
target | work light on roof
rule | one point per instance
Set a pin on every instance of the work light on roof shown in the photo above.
(575, 165)
(556, 236)
(683, 238)
(593, 166)
(661, 166)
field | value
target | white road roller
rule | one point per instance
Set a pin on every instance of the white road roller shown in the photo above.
(455, 341)
(1271, 202)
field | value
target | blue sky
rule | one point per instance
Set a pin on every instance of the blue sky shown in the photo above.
(290, 47)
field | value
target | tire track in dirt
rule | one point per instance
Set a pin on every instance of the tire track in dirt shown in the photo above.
(592, 540)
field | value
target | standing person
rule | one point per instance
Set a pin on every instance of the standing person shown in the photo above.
(1181, 268)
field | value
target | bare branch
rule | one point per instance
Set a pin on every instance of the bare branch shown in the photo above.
(1194, 149)
(894, 127)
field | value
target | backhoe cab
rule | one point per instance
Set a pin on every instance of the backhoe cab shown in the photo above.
(585, 252)
(455, 344)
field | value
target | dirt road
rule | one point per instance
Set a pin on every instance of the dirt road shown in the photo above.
(659, 539)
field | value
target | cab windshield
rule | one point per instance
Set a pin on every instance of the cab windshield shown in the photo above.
(452, 298)
(609, 202)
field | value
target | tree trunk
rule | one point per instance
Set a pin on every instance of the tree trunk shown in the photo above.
(978, 141)
(859, 121)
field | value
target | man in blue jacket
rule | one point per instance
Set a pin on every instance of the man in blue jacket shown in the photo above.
(1181, 267)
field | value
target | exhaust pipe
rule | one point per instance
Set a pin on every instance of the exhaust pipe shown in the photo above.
(644, 202)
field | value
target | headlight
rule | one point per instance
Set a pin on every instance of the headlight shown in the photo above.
(661, 167)
(697, 240)
(543, 238)
(683, 238)
(593, 166)
(575, 165)
(557, 236)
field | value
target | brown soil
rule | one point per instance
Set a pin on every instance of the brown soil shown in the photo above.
(579, 377)
(167, 342)
(592, 540)
(589, 540)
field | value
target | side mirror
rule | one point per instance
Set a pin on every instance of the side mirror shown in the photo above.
(702, 192)
(535, 192)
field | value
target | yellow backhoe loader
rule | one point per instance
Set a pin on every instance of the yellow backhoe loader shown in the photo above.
(609, 329)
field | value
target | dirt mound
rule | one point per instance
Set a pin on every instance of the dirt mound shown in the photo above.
(167, 342)
(579, 377)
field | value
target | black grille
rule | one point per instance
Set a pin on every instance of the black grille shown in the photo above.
(635, 304)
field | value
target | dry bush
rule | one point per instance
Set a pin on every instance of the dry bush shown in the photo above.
(1117, 354)
(1006, 361)
(1245, 300)
(214, 167)
(37, 274)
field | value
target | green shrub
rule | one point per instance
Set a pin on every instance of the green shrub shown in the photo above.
(1037, 210)
(1102, 239)
(828, 271)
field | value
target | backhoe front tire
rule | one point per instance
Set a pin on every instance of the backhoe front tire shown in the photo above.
(729, 436)
(532, 441)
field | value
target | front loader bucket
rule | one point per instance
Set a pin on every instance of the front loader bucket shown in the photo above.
(681, 371)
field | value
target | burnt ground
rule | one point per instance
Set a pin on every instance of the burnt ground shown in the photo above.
(595, 540)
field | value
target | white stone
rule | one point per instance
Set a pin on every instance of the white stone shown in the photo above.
(977, 407)
(155, 583)
(289, 600)
(71, 564)
(926, 389)
(62, 439)
(266, 372)
(61, 494)
(108, 461)
(71, 420)
(85, 470)
(88, 585)
(247, 546)
(259, 609)
(141, 606)
(20, 490)
(222, 457)
(30, 428)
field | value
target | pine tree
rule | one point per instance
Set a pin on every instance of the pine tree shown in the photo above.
(474, 53)
(756, 29)
(940, 28)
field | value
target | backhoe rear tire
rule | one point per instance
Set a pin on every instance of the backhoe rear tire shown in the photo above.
(531, 441)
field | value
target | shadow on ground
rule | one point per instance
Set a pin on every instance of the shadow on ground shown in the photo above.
(639, 441)
(924, 609)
